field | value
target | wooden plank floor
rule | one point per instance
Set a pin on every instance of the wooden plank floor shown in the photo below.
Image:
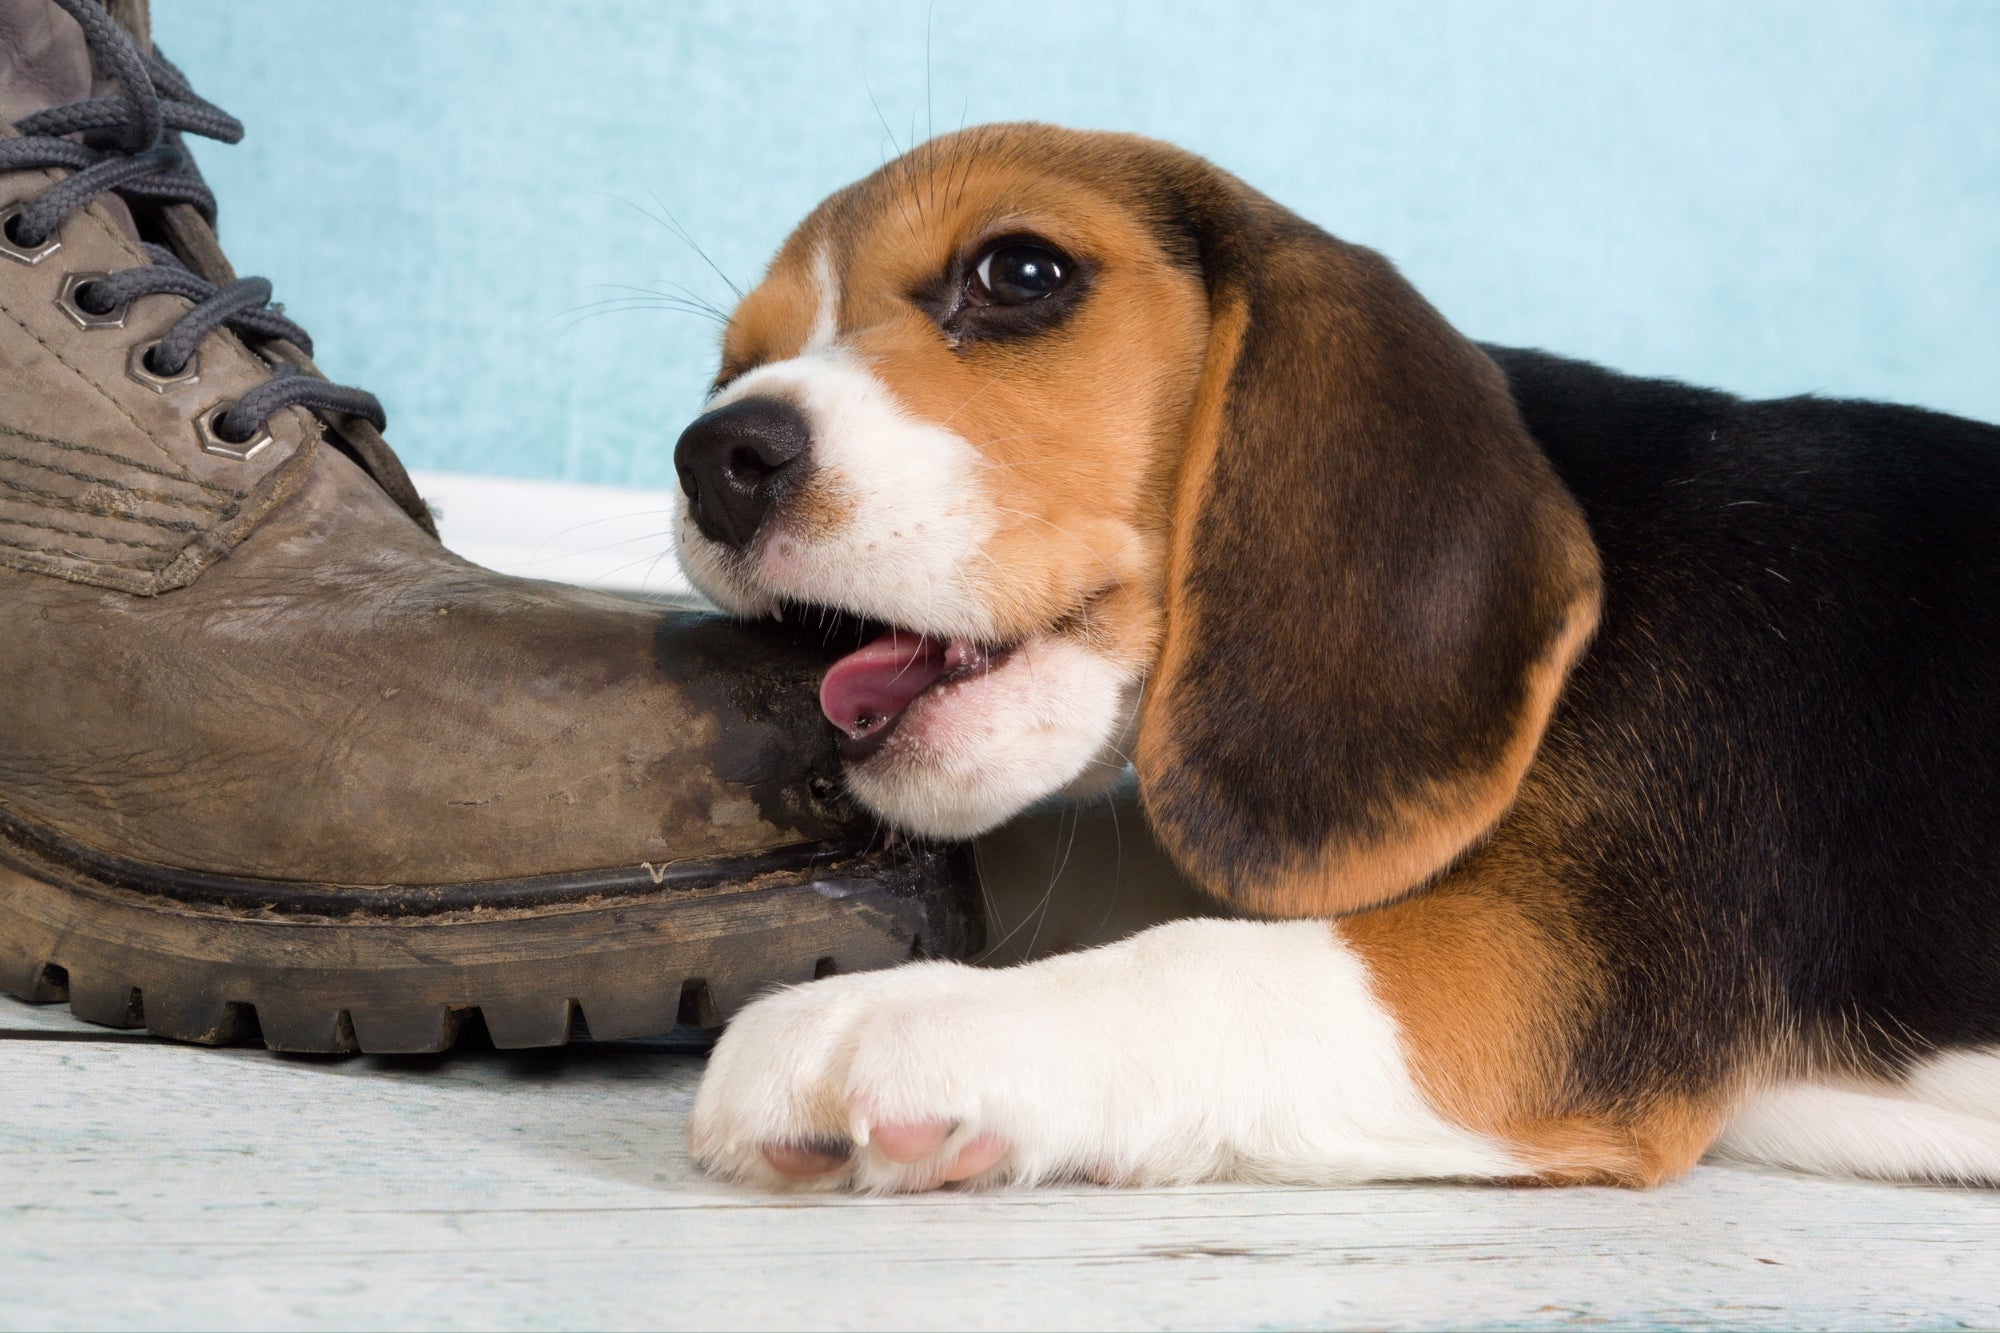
(152, 1185)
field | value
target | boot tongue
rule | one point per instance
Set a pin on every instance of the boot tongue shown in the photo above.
(45, 62)
(870, 687)
(43, 59)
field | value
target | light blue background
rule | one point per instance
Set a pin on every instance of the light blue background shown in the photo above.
(1767, 197)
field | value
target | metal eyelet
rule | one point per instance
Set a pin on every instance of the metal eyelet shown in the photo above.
(136, 367)
(66, 302)
(14, 250)
(212, 443)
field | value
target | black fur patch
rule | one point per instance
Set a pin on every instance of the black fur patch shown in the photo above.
(1772, 787)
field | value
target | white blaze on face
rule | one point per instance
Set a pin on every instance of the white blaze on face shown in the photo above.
(907, 520)
(826, 286)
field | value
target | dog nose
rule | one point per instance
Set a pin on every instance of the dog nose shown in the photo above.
(736, 462)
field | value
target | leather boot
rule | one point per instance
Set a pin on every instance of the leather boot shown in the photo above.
(275, 764)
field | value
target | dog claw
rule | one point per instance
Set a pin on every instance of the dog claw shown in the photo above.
(976, 1157)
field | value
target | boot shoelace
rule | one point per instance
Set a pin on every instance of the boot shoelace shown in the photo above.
(130, 144)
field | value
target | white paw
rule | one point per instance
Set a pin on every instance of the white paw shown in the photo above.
(891, 1081)
(1199, 1050)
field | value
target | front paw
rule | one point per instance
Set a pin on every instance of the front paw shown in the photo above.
(1117, 1064)
(880, 1082)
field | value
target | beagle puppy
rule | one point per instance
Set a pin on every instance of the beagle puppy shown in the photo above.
(1601, 772)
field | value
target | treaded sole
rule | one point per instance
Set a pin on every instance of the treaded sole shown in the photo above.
(615, 968)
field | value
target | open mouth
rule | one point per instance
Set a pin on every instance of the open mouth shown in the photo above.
(867, 692)
(948, 730)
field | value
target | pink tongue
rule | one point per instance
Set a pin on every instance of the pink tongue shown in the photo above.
(870, 687)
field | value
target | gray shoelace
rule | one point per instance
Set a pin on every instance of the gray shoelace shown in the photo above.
(131, 144)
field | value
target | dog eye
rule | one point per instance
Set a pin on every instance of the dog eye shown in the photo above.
(1017, 273)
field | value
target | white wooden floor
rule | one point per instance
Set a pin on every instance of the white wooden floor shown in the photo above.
(151, 1185)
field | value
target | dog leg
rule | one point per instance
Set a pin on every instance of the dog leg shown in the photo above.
(1198, 1050)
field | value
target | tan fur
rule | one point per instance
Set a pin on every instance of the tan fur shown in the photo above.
(819, 511)
(1488, 993)
(774, 320)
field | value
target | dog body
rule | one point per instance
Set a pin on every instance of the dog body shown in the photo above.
(1620, 761)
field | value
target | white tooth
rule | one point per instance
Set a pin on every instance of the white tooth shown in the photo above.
(778, 614)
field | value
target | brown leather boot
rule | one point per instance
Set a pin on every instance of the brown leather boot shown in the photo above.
(272, 761)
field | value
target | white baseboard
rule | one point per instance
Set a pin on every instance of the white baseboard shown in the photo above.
(615, 538)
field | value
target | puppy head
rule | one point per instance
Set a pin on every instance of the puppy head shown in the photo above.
(1095, 448)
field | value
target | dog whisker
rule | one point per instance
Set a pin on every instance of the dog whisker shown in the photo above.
(1117, 867)
(998, 376)
(687, 239)
(680, 293)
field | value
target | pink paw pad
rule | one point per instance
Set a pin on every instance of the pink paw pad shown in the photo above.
(907, 1141)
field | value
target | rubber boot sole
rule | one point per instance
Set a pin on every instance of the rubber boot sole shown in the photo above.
(339, 969)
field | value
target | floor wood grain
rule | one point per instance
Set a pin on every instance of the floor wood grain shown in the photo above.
(152, 1185)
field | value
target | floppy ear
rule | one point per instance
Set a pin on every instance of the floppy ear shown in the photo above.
(1376, 583)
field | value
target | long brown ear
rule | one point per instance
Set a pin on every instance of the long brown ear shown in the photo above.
(1376, 586)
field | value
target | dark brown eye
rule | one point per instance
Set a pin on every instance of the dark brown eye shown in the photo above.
(1018, 272)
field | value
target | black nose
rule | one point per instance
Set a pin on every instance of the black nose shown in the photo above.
(737, 462)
